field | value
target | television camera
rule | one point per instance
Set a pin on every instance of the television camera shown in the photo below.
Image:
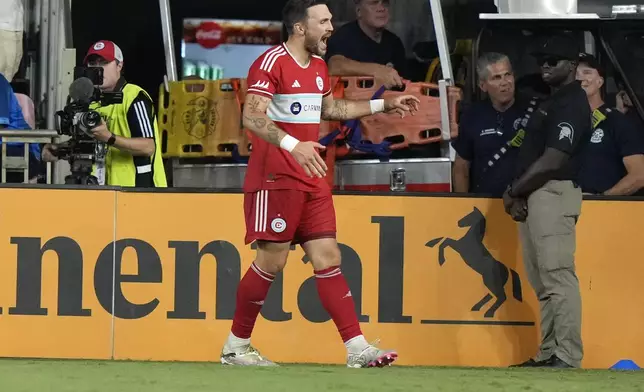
(77, 120)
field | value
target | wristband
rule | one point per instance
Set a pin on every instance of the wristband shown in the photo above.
(111, 140)
(377, 105)
(288, 143)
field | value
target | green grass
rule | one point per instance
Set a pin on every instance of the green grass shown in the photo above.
(94, 376)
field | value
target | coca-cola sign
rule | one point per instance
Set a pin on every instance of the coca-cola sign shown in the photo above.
(210, 35)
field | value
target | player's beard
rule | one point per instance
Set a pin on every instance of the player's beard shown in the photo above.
(315, 45)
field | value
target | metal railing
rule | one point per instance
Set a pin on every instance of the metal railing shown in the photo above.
(21, 163)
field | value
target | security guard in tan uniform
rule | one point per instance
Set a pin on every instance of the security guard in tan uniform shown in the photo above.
(547, 201)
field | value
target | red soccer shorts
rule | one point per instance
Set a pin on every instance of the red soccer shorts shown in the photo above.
(288, 215)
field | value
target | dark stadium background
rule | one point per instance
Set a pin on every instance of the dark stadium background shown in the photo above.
(135, 25)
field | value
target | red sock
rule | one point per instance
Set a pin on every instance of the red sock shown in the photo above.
(338, 302)
(251, 294)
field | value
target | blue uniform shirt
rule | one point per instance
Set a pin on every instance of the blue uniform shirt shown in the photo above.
(613, 139)
(482, 132)
(11, 117)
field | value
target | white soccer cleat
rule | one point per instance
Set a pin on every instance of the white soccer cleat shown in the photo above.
(371, 356)
(249, 357)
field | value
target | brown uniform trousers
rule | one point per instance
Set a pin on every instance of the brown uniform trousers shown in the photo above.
(549, 241)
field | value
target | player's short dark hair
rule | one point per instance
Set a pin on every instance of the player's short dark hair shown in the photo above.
(296, 11)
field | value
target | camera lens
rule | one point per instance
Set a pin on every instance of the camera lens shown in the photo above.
(89, 120)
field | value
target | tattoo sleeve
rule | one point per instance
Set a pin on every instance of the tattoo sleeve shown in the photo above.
(342, 109)
(256, 120)
(274, 134)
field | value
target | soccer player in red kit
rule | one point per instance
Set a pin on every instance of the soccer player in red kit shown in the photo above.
(286, 199)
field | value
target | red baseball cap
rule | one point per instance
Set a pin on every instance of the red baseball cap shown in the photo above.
(107, 50)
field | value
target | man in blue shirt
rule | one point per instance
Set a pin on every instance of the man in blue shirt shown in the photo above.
(490, 131)
(11, 118)
(613, 161)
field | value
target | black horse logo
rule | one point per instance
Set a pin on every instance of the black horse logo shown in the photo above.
(495, 274)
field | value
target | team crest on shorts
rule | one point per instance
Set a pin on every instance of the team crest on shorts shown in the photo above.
(278, 225)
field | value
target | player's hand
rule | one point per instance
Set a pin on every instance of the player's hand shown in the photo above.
(402, 104)
(49, 153)
(306, 154)
(388, 77)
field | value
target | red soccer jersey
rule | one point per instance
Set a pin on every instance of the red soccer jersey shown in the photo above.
(296, 93)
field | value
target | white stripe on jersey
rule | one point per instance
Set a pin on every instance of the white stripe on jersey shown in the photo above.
(296, 108)
(271, 57)
(270, 66)
(267, 55)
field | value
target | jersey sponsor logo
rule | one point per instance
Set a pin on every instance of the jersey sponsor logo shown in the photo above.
(598, 136)
(296, 84)
(296, 108)
(320, 82)
(566, 131)
(278, 225)
(261, 84)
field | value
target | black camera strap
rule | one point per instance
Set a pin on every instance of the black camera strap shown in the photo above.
(517, 140)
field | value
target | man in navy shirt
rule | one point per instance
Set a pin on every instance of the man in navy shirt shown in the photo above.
(365, 47)
(489, 131)
(613, 161)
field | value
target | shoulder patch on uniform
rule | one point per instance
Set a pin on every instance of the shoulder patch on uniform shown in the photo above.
(566, 131)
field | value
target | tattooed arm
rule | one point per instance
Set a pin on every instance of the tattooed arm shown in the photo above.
(257, 121)
(343, 109)
(305, 152)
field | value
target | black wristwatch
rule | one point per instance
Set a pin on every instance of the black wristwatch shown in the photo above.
(111, 140)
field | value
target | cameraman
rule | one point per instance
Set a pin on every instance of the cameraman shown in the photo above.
(129, 128)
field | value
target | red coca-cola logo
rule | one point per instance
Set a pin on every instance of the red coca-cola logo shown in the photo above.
(210, 35)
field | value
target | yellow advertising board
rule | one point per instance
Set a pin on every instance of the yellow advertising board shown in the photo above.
(438, 279)
(48, 286)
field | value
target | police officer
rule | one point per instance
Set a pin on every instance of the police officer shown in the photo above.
(129, 128)
(613, 163)
(490, 131)
(547, 202)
